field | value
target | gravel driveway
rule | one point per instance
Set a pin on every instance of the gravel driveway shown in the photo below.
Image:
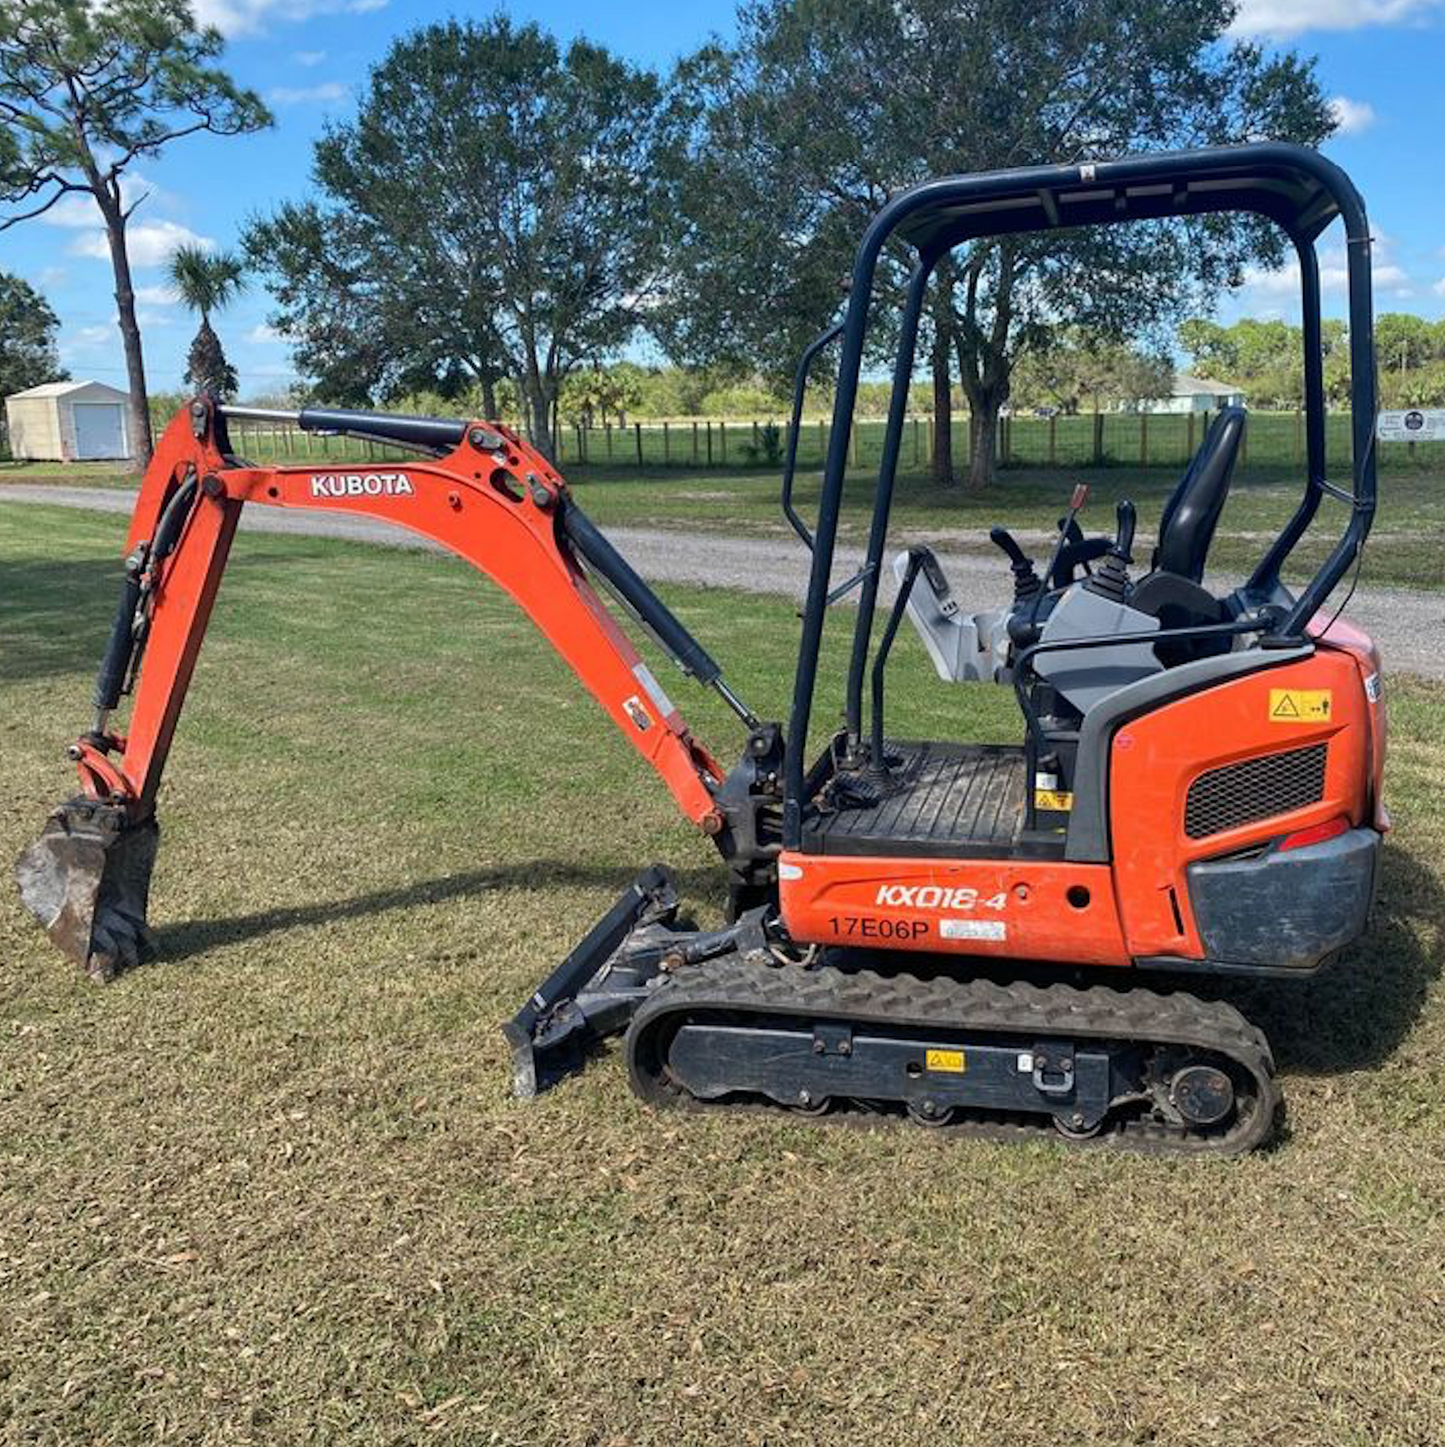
(1407, 624)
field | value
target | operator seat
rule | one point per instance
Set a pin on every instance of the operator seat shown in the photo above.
(1191, 515)
(1173, 591)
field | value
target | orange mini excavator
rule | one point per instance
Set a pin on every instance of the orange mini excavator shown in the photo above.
(1196, 786)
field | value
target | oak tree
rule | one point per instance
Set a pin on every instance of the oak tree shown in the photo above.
(490, 211)
(824, 107)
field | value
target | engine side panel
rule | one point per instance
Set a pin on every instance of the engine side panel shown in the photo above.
(1155, 759)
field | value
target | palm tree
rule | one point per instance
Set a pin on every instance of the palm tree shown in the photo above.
(207, 283)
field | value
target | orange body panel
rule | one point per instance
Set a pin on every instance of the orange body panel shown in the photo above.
(1136, 907)
(1154, 759)
(1012, 908)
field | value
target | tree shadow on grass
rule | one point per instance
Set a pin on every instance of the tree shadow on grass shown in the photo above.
(187, 939)
(50, 618)
(55, 613)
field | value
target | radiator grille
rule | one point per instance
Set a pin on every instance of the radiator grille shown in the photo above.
(1254, 789)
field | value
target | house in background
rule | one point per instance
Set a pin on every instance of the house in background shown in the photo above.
(1191, 394)
(68, 422)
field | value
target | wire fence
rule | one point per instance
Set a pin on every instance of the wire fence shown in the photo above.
(1100, 439)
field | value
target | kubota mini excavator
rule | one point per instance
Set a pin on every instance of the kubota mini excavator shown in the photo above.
(1197, 785)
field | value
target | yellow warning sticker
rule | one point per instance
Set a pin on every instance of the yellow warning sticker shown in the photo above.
(950, 1061)
(1300, 705)
(1053, 799)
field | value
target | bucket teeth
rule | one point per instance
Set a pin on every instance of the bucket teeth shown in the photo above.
(87, 880)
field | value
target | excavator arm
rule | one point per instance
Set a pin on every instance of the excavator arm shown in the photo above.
(478, 490)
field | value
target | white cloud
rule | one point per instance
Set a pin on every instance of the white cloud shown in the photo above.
(161, 295)
(252, 17)
(149, 242)
(73, 210)
(1281, 19)
(263, 333)
(329, 92)
(1439, 287)
(147, 318)
(87, 339)
(308, 58)
(78, 210)
(1352, 116)
(1390, 279)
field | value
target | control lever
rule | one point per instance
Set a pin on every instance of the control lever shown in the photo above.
(1022, 631)
(1128, 517)
(1027, 583)
(1112, 579)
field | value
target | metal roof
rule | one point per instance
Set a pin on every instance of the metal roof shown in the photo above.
(61, 389)
(1186, 386)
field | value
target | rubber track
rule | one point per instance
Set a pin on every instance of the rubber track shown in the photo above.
(732, 986)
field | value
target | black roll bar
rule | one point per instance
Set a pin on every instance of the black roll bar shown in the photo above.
(1292, 185)
(790, 462)
(883, 491)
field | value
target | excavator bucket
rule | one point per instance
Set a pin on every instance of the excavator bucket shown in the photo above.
(87, 880)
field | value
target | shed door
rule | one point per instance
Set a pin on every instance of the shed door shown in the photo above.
(99, 430)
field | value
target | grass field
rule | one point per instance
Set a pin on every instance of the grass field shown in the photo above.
(273, 1189)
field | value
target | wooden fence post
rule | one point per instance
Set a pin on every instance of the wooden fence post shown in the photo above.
(607, 439)
(694, 444)
(1299, 436)
(1098, 438)
(1189, 437)
(755, 436)
(1143, 438)
(666, 445)
(709, 443)
(822, 443)
(722, 437)
(637, 432)
(853, 443)
(917, 445)
(1053, 439)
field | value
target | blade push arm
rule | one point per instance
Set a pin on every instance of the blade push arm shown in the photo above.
(491, 499)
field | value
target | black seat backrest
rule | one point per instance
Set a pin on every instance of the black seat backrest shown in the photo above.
(1187, 527)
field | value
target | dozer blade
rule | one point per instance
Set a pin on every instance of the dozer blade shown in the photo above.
(87, 880)
(596, 990)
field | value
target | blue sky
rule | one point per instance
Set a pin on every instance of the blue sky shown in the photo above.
(1384, 60)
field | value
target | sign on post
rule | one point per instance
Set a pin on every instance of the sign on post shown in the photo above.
(1418, 424)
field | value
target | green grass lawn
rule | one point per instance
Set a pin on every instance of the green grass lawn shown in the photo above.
(72, 474)
(273, 1188)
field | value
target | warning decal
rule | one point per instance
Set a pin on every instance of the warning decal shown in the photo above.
(1056, 799)
(1299, 705)
(949, 1061)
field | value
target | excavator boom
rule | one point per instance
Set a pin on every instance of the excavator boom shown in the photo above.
(479, 490)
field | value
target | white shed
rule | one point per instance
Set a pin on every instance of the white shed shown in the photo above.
(68, 422)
